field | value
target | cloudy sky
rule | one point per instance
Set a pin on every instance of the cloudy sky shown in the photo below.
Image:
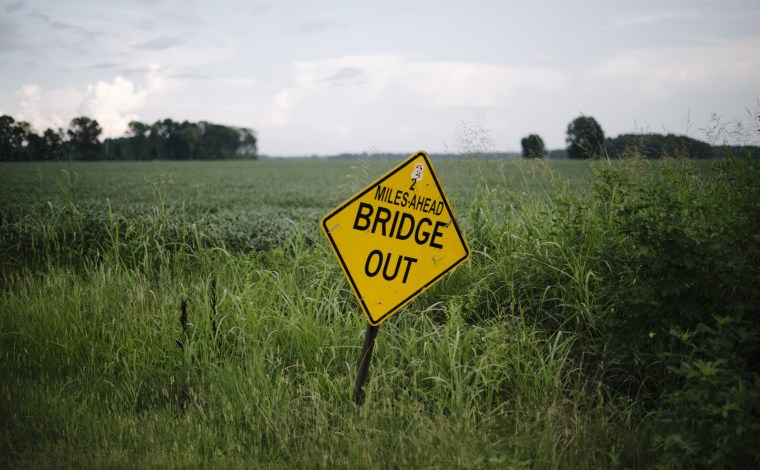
(332, 76)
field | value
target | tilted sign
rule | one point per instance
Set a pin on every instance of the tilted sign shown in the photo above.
(396, 238)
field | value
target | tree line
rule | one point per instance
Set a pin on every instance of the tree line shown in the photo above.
(164, 139)
(173, 140)
(586, 139)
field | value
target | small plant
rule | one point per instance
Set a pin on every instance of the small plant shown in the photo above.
(474, 137)
(713, 419)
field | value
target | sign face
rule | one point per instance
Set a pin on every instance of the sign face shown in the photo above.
(396, 238)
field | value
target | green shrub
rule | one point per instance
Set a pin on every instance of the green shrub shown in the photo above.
(713, 419)
(683, 286)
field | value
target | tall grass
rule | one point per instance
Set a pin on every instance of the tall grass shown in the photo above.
(93, 366)
(508, 362)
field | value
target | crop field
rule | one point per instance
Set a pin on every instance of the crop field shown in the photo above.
(192, 314)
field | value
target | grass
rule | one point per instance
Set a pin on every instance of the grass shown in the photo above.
(493, 367)
(94, 367)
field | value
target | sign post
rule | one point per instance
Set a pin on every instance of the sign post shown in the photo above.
(366, 356)
(394, 239)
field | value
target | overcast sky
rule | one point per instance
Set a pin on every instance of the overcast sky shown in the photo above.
(325, 77)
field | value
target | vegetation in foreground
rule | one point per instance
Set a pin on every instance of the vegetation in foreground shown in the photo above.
(192, 315)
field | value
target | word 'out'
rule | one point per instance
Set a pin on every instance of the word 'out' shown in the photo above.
(378, 259)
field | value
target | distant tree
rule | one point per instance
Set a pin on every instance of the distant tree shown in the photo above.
(19, 141)
(8, 138)
(36, 148)
(219, 141)
(585, 138)
(23, 133)
(155, 146)
(533, 146)
(14, 139)
(138, 143)
(658, 146)
(54, 143)
(164, 139)
(84, 134)
(558, 153)
(247, 147)
(170, 138)
(191, 136)
(48, 146)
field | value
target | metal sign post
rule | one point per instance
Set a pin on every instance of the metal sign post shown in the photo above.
(364, 360)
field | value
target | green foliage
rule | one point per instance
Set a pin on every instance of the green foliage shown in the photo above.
(172, 140)
(654, 270)
(678, 243)
(607, 319)
(19, 142)
(84, 138)
(533, 146)
(682, 255)
(658, 146)
(164, 139)
(585, 138)
(713, 419)
(90, 323)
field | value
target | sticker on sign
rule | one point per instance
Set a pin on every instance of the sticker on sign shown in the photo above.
(396, 238)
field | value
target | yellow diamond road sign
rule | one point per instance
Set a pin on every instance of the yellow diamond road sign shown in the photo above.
(396, 238)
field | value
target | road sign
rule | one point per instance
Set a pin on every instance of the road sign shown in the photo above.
(396, 238)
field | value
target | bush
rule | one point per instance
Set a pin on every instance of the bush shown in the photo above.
(681, 258)
(712, 419)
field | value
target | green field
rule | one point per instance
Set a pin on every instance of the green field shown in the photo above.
(608, 318)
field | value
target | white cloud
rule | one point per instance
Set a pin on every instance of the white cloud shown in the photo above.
(317, 26)
(334, 103)
(448, 84)
(652, 18)
(161, 43)
(13, 6)
(240, 82)
(112, 103)
(160, 79)
(13, 38)
(388, 80)
(283, 104)
(655, 73)
(398, 101)
(45, 110)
